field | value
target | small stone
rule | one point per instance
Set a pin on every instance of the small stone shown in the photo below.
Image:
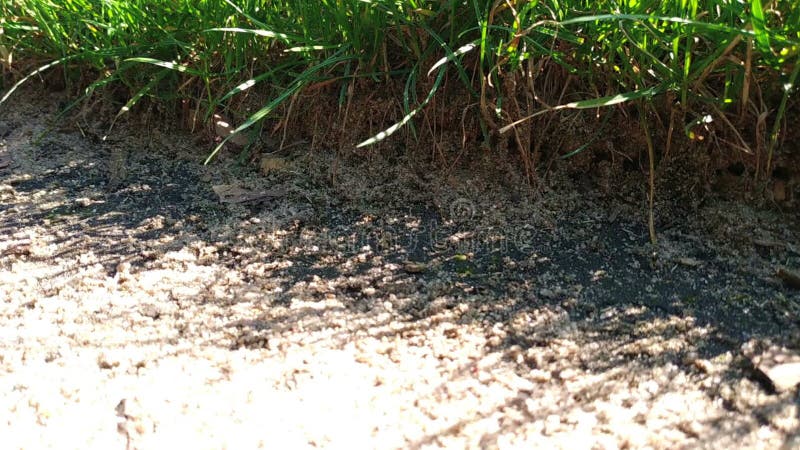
(690, 262)
(783, 376)
(123, 272)
(134, 422)
(547, 293)
(552, 425)
(691, 428)
(703, 365)
(650, 386)
(105, 361)
(414, 267)
(539, 376)
(534, 357)
(150, 311)
(568, 374)
(515, 352)
(569, 303)
(780, 365)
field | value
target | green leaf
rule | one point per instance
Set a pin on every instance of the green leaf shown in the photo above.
(760, 26)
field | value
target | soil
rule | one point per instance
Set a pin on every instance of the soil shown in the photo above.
(150, 301)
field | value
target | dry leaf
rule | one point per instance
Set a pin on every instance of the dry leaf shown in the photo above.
(224, 128)
(20, 249)
(414, 267)
(790, 277)
(767, 243)
(271, 164)
(690, 262)
(779, 191)
(230, 193)
(5, 56)
(5, 157)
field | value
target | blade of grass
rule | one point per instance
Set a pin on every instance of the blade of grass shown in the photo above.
(300, 82)
(609, 100)
(438, 65)
(33, 74)
(392, 129)
(167, 65)
(760, 27)
(136, 97)
(776, 127)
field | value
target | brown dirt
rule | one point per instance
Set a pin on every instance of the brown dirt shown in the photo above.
(401, 307)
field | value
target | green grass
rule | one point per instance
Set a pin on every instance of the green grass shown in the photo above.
(727, 62)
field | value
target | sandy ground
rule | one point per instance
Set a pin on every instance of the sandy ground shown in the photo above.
(141, 308)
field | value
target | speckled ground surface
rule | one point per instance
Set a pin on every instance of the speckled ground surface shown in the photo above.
(390, 310)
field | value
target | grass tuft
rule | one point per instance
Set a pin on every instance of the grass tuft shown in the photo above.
(682, 64)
